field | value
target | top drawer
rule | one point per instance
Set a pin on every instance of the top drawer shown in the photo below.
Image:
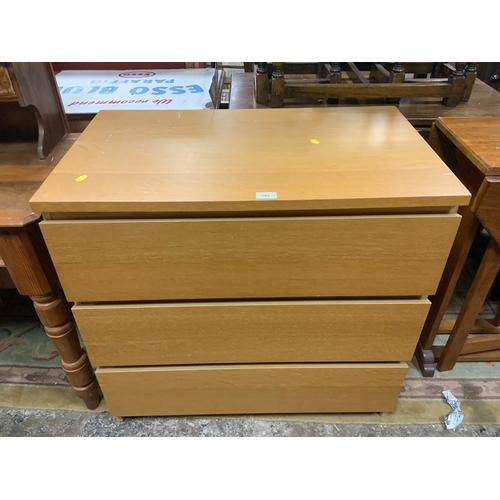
(137, 260)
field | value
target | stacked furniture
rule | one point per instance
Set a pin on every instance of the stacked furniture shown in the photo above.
(421, 113)
(250, 261)
(334, 81)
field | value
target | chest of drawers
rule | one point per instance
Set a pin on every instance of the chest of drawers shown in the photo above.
(250, 261)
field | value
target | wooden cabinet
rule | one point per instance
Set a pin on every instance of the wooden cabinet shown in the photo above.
(250, 261)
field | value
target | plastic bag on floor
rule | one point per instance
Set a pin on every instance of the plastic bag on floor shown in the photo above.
(454, 419)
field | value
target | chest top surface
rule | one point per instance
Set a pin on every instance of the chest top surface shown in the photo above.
(249, 160)
(477, 137)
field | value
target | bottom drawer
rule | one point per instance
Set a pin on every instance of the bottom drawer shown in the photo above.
(246, 389)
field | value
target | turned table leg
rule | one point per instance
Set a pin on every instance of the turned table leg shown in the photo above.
(28, 262)
(456, 260)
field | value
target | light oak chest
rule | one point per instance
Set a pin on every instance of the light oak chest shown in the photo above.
(250, 261)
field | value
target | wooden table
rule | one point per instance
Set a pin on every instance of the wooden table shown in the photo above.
(250, 261)
(24, 253)
(471, 148)
(484, 101)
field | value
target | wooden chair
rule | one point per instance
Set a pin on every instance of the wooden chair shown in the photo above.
(33, 85)
(350, 80)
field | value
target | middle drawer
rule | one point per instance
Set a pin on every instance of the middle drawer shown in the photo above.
(251, 332)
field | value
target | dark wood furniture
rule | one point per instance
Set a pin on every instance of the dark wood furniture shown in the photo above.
(484, 101)
(33, 85)
(333, 81)
(471, 148)
(489, 72)
(81, 66)
(25, 256)
(22, 249)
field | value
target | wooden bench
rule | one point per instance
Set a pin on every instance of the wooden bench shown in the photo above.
(452, 84)
(484, 101)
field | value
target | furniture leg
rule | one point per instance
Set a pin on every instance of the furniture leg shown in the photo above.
(480, 287)
(277, 86)
(262, 83)
(496, 321)
(457, 80)
(28, 262)
(470, 78)
(335, 75)
(456, 260)
(397, 76)
(321, 70)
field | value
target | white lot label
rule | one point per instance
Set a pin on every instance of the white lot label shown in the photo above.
(266, 195)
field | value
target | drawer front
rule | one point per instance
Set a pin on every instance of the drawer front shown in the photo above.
(245, 389)
(246, 332)
(136, 260)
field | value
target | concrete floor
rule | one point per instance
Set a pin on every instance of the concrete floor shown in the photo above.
(44, 423)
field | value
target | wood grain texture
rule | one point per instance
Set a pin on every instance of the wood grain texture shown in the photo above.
(253, 257)
(470, 176)
(36, 86)
(470, 147)
(476, 137)
(217, 160)
(486, 205)
(484, 278)
(250, 332)
(481, 344)
(469, 227)
(252, 389)
(21, 174)
(355, 74)
(484, 101)
(477, 357)
(368, 90)
(29, 265)
(479, 326)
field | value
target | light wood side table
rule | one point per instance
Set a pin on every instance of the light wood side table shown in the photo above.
(250, 261)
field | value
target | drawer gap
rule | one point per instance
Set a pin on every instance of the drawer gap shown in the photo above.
(89, 216)
(287, 300)
(232, 366)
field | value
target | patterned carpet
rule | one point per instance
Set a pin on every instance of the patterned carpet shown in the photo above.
(27, 357)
